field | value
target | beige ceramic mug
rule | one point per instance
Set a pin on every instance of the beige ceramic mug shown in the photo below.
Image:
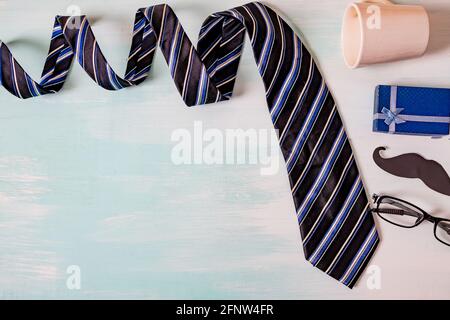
(378, 31)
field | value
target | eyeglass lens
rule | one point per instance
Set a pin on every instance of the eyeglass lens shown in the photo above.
(399, 212)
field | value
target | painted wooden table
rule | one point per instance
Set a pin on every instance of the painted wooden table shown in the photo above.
(88, 186)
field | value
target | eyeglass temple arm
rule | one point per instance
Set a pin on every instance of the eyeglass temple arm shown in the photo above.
(411, 214)
(397, 212)
(400, 212)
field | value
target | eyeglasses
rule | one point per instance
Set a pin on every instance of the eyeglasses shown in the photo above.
(406, 215)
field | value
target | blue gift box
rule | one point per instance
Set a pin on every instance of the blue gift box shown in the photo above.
(412, 110)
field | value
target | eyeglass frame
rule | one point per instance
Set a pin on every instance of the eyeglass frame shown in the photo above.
(425, 215)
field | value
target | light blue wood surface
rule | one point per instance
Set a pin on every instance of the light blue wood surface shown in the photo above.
(86, 176)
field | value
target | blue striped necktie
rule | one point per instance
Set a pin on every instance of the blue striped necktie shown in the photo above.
(338, 231)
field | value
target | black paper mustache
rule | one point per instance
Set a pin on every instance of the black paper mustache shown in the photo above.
(412, 165)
